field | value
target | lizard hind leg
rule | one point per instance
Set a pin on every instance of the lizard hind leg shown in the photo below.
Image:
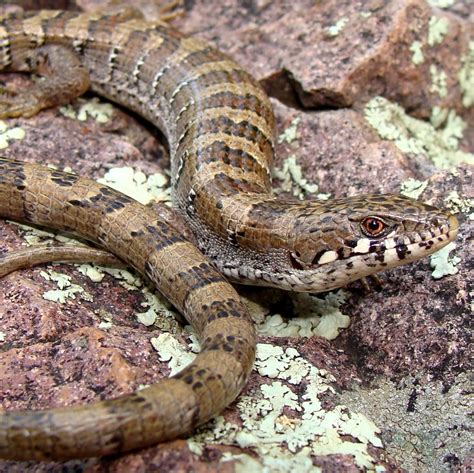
(62, 78)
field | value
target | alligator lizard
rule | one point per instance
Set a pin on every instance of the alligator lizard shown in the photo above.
(219, 125)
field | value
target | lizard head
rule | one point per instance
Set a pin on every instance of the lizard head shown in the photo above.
(321, 246)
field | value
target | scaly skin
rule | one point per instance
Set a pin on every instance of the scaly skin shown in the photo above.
(219, 125)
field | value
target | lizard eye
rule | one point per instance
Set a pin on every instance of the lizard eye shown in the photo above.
(373, 226)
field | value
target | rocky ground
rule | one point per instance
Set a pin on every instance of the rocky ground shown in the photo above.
(373, 96)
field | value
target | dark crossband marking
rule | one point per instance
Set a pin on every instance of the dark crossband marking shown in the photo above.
(236, 142)
(234, 121)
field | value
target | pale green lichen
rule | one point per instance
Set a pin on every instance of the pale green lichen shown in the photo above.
(68, 111)
(154, 307)
(314, 315)
(292, 180)
(33, 236)
(438, 116)
(36, 237)
(126, 278)
(457, 204)
(417, 49)
(290, 134)
(335, 29)
(62, 280)
(291, 174)
(66, 290)
(442, 263)
(439, 427)
(147, 318)
(94, 273)
(285, 427)
(54, 166)
(438, 81)
(195, 447)
(437, 29)
(453, 131)
(3, 336)
(466, 77)
(192, 340)
(172, 351)
(413, 188)
(101, 112)
(244, 463)
(136, 184)
(274, 361)
(106, 320)
(158, 312)
(7, 134)
(441, 3)
(411, 135)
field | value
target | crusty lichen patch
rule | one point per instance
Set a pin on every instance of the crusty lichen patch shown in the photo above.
(425, 424)
(34, 236)
(444, 264)
(336, 28)
(101, 112)
(136, 184)
(417, 49)
(441, 3)
(413, 188)
(157, 312)
(284, 421)
(466, 77)
(290, 133)
(438, 81)
(66, 289)
(292, 180)
(7, 134)
(457, 203)
(437, 29)
(415, 136)
(314, 315)
(170, 350)
(290, 174)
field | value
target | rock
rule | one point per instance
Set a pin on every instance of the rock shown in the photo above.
(340, 54)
